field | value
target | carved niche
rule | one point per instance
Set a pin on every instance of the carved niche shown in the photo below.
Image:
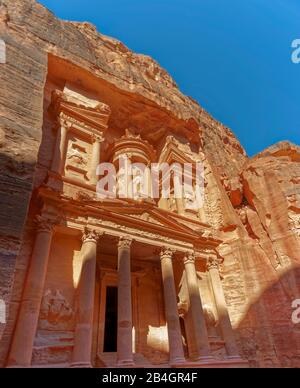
(82, 123)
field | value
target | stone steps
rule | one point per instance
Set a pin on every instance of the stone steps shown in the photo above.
(109, 360)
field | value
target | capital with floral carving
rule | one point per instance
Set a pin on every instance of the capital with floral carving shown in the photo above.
(45, 224)
(167, 253)
(91, 235)
(65, 121)
(213, 262)
(98, 138)
(125, 242)
(189, 258)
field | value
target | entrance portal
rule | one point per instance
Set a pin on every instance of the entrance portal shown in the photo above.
(111, 320)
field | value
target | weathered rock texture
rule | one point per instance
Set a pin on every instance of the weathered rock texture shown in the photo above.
(254, 203)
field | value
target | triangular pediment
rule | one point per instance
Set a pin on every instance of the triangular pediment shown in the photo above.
(146, 217)
(173, 154)
(87, 115)
(144, 212)
(96, 115)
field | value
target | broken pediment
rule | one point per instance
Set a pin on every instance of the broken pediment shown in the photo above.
(176, 152)
(96, 114)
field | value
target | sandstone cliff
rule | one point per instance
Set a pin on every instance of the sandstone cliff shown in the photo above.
(254, 203)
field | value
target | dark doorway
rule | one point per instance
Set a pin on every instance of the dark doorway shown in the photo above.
(111, 320)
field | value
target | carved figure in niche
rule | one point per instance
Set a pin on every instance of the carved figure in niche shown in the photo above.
(243, 216)
(211, 322)
(137, 183)
(140, 183)
(182, 308)
(190, 198)
(172, 204)
(76, 155)
(122, 183)
(55, 308)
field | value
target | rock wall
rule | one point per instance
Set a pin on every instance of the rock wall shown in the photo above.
(262, 258)
(254, 203)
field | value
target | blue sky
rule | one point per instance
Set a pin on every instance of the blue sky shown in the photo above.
(232, 56)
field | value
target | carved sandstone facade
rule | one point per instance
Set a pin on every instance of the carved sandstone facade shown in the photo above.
(124, 282)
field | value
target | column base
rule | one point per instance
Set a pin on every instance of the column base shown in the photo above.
(177, 363)
(125, 364)
(213, 364)
(81, 365)
(205, 359)
(237, 357)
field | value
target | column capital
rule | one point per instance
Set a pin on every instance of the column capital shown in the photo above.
(167, 253)
(189, 258)
(98, 138)
(65, 121)
(91, 235)
(125, 242)
(45, 224)
(213, 262)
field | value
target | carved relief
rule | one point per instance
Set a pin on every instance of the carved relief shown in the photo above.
(294, 222)
(77, 155)
(209, 315)
(182, 309)
(56, 311)
(77, 158)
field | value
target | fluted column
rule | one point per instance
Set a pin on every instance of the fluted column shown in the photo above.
(124, 345)
(224, 319)
(96, 157)
(60, 148)
(22, 345)
(82, 351)
(199, 325)
(171, 308)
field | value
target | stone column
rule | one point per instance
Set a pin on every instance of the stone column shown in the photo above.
(85, 308)
(22, 345)
(60, 151)
(164, 204)
(96, 155)
(148, 176)
(199, 325)
(124, 345)
(224, 319)
(171, 308)
(179, 197)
